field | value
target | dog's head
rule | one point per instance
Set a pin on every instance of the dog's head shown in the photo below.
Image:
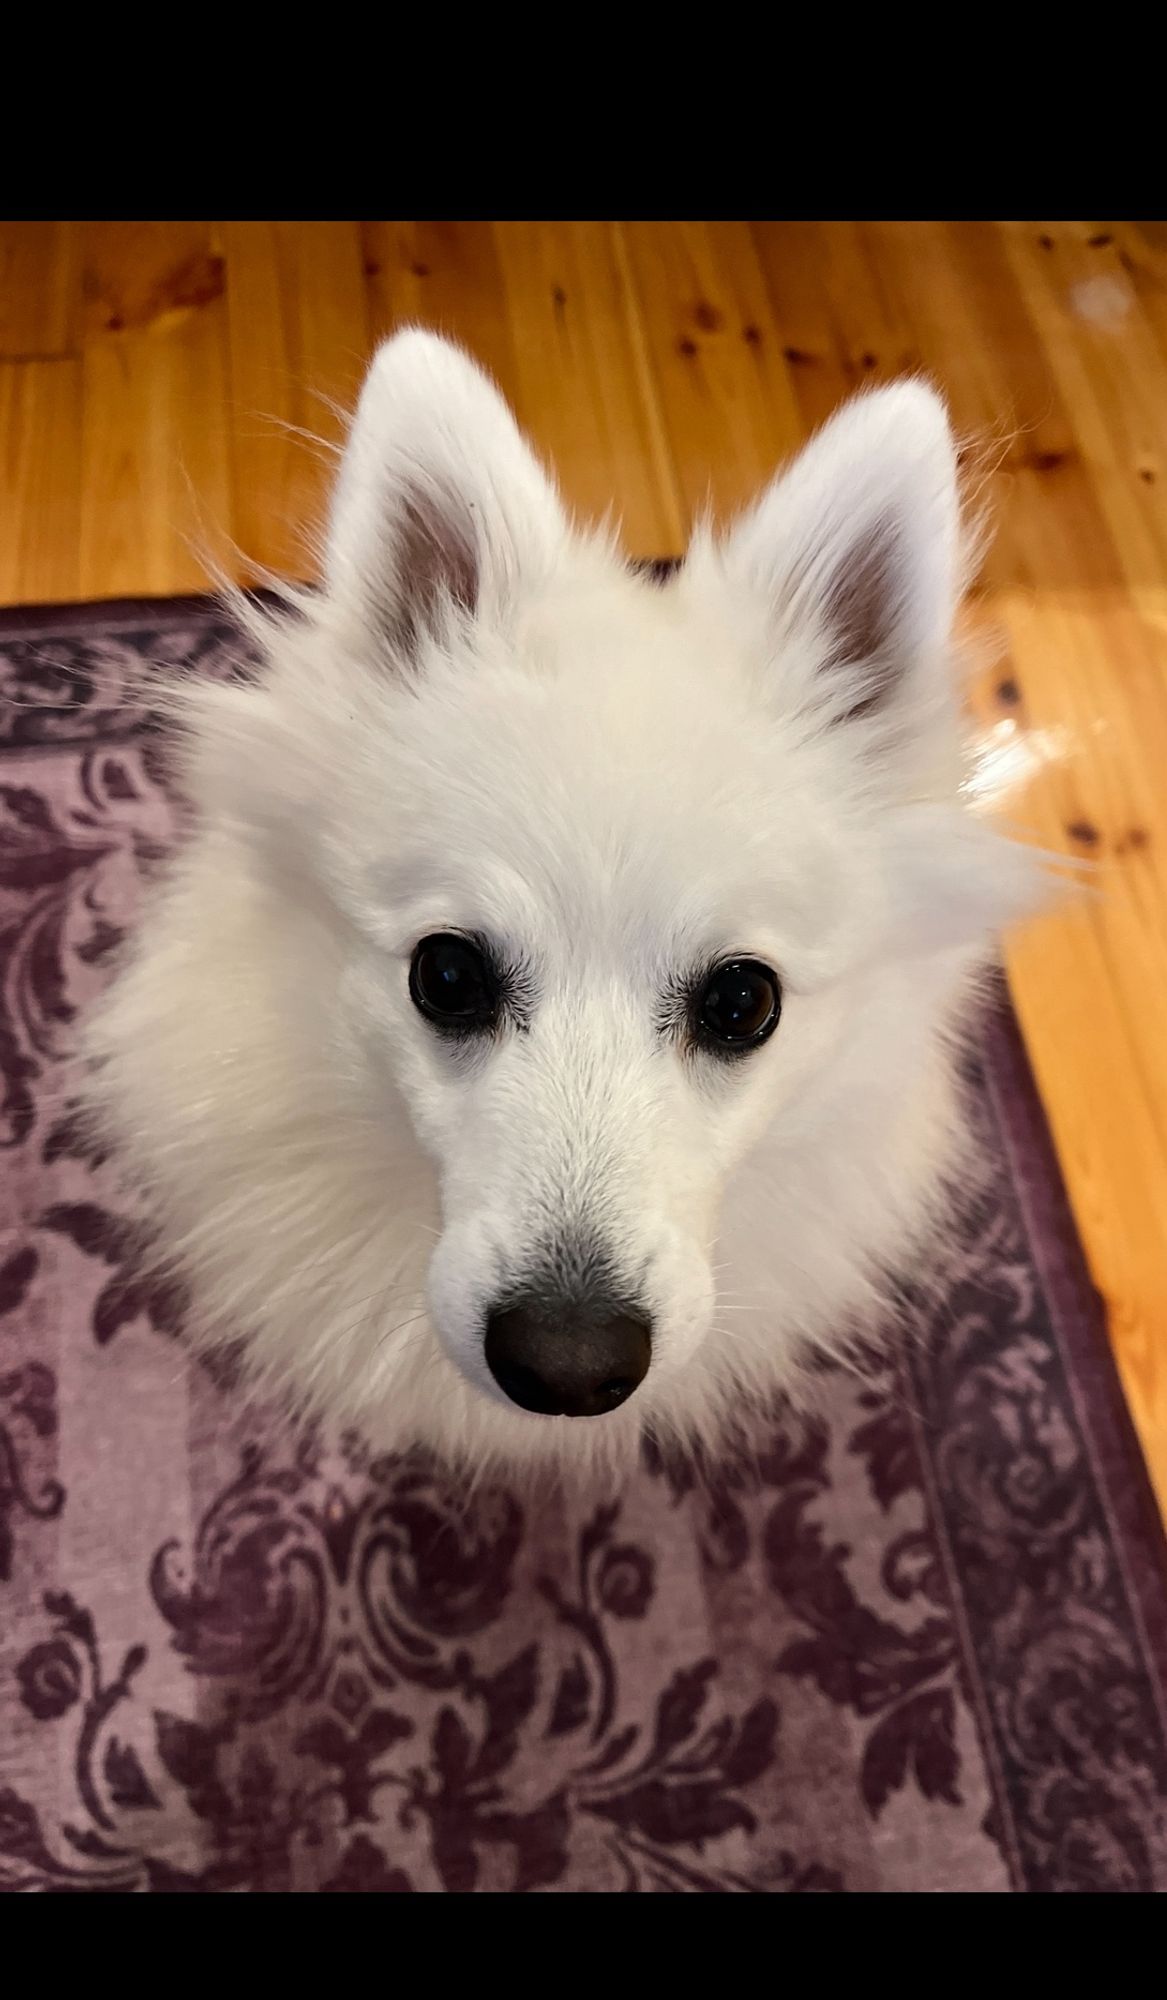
(636, 907)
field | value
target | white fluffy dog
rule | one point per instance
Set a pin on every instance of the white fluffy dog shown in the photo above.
(554, 1013)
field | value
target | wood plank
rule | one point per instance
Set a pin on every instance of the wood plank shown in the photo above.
(1112, 371)
(155, 467)
(730, 411)
(548, 311)
(37, 290)
(298, 337)
(40, 482)
(445, 276)
(1087, 984)
(828, 351)
(582, 388)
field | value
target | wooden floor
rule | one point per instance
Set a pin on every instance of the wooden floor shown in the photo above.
(156, 380)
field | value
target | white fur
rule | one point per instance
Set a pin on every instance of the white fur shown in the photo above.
(618, 781)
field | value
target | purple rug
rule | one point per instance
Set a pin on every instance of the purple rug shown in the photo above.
(919, 1643)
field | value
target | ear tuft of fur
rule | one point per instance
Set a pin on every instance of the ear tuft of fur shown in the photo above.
(955, 881)
(440, 507)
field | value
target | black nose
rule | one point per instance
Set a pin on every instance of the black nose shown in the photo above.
(567, 1360)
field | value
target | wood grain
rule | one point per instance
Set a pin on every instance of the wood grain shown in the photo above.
(155, 459)
(171, 386)
(298, 340)
(38, 290)
(40, 480)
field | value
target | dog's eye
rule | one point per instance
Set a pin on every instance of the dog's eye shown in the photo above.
(739, 1004)
(451, 983)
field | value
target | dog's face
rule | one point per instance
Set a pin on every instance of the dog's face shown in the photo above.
(594, 962)
(638, 903)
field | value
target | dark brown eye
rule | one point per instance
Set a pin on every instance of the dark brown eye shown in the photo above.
(451, 983)
(739, 1005)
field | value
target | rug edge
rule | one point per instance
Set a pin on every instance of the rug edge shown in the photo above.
(1118, 1458)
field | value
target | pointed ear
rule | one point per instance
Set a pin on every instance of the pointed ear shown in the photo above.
(440, 503)
(858, 545)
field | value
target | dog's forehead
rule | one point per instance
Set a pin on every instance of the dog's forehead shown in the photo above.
(619, 802)
(590, 712)
(616, 762)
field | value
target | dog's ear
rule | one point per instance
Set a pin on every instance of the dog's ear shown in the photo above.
(440, 503)
(858, 544)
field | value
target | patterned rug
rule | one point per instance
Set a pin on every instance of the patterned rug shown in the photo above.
(919, 1643)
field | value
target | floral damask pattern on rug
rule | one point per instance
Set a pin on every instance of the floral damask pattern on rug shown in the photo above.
(915, 1641)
